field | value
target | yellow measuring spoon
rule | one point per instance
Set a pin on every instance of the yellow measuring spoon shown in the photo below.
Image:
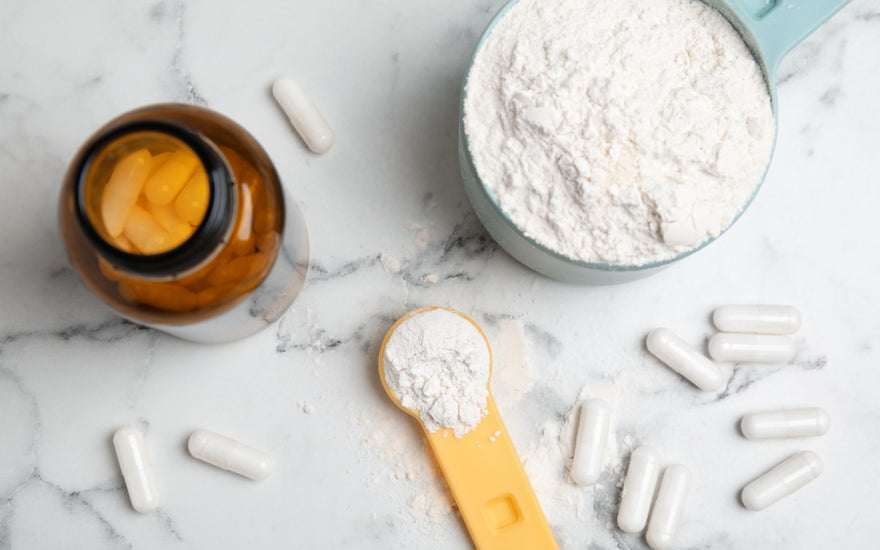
(484, 473)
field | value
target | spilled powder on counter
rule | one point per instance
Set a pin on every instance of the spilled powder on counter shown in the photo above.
(512, 372)
(438, 364)
(389, 262)
(621, 132)
(405, 462)
(422, 237)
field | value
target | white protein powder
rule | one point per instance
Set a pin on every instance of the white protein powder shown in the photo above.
(620, 132)
(437, 363)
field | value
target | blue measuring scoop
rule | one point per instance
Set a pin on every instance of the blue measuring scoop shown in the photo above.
(771, 28)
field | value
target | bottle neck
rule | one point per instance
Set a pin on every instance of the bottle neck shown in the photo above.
(207, 236)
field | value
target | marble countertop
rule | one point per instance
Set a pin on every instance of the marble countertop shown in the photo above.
(391, 230)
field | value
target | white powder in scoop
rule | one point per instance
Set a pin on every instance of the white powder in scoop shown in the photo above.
(621, 132)
(438, 363)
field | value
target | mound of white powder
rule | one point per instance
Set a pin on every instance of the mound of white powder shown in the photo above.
(438, 363)
(620, 132)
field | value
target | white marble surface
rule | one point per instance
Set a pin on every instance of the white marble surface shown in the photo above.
(352, 471)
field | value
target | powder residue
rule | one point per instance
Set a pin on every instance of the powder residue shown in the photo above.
(619, 132)
(513, 374)
(437, 363)
(389, 262)
(428, 507)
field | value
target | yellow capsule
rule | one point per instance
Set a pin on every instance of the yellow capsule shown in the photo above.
(165, 296)
(243, 248)
(268, 242)
(123, 188)
(192, 202)
(178, 229)
(248, 175)
(265, 218)
(239, 270)
(233, 159)
(243, 240)
(108, 271)
(123, 244)
(217, 294)
(160, 159)
(166, 182)
(145, 232)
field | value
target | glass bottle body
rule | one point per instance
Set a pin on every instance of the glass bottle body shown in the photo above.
(175, 217)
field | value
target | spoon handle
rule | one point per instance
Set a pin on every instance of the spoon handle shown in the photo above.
(779, 26)
(490, 487)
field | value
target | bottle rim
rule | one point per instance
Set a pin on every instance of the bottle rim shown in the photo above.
(210, 231)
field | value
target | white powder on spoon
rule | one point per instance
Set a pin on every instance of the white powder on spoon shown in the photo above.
(619, 132)
(438, 364)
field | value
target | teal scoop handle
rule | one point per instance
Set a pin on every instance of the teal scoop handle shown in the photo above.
(771, 28)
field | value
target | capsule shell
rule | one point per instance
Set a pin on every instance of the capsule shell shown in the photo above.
(757, 319)
(732, 347)
(638, 489)
(123, 188)
(684, 359)
(590, 442)
(669, 507)
(303, 114)
(137, 470)
(783, 480)
(167, 180)
(228, 454)
(786, 423)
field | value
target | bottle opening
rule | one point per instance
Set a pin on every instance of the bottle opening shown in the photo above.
(154, 197)
(146, 193)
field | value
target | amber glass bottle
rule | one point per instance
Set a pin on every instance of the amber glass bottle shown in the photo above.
(175, 217)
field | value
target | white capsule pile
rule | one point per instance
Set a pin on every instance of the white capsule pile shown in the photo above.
(758, 333)
(754, 333)
(637, 495)
(207, 446)
(749, 334)
(636, 511)
(793, 473)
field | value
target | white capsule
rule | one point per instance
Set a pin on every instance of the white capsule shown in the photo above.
(757, 319)
(589, 445)
(228, 454)
(807, 422)
(685, 360)
(137, 471)
(669, 507)
(638, 489)
(303, 114)
(732, 347)
(784, 479)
